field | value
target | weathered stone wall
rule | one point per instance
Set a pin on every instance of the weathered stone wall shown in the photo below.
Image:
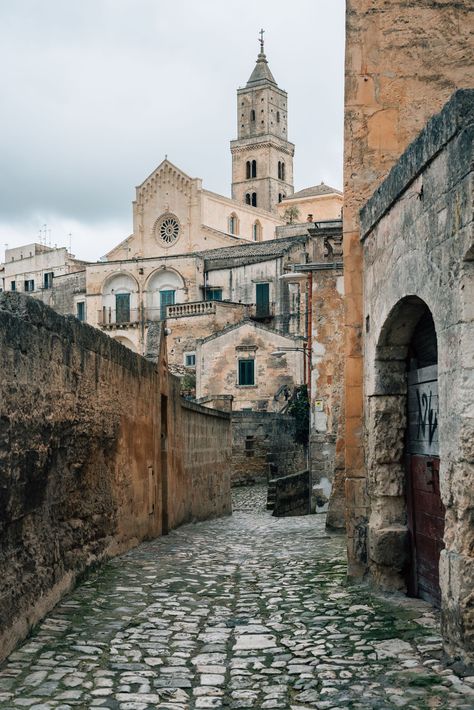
(419, 252)
(85, 455)
(199, 459)
(263, 447)
(292, 495)
(403, 61)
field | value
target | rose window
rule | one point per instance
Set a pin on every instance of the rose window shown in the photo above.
(167, 229)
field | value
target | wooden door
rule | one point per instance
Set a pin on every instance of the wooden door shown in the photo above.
(122, 308)
(425, 508)
(263, 300)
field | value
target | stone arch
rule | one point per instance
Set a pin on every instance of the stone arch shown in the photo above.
(407, 343)
(127, 342)
(120, 299)
(164, 286)
(233, 224)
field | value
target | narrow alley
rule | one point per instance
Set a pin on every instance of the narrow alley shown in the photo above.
(247, 611)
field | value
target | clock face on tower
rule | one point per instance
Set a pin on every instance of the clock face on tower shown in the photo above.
(167, 229)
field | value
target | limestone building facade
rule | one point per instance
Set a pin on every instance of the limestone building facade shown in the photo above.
(417, 233)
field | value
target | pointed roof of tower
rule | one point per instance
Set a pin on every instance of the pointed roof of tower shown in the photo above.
(261, 73)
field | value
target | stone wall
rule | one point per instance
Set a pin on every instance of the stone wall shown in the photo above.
(264, 447)
(403, 61)
(199, 458)
(418, 248)
(85, 471)
(292, 495)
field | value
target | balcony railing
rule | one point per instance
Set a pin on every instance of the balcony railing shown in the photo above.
(196, 308)
(110, 318)
(262, 311)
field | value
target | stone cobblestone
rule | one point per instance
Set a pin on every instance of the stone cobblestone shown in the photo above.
(244, 612)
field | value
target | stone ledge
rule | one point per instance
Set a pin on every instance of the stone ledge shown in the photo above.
(455, 115)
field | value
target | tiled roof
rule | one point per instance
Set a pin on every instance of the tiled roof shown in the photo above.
(314, 191)
(258, 250)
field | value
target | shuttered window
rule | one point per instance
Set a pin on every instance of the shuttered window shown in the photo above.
(247, 372)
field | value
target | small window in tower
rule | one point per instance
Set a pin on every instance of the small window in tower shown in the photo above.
(254, 199)
(252, 115)
(248, 170)
(280, 197)
(283, 171)
(254, 168)
(262, 122)
(278, 117)
(248, 199)
(279, 169)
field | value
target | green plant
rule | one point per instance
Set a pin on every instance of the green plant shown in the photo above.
(291, 214)
(299, 409)
(188, 382)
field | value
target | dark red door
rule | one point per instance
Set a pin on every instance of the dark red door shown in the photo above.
(426, 523)
(425, 508)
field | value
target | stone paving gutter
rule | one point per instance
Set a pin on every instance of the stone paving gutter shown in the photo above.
(242, 612)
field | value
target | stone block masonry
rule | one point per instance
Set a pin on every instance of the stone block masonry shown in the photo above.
(292, 495)
(264, 447)
(85, 470)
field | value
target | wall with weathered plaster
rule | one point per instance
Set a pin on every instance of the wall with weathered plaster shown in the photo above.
(418, 248)
(88, 458)
(403, 61)
(198, 461)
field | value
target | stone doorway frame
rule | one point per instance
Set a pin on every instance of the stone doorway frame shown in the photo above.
(388, 550)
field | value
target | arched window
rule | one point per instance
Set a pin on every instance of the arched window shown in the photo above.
(233, 224)
(254, 199)
(252, 115)
(278, 117)
(254, 168)
(279, 170)
(248, 171)
(280, 197)
(256, 231)
(248, 199)
(283, 171)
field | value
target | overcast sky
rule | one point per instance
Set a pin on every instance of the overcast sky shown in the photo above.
(94, 93)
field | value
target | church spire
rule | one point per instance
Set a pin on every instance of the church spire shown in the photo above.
(261, 73)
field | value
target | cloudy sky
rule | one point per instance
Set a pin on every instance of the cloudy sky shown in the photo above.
(94, 93)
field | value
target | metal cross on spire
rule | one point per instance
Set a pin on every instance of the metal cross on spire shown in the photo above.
(261, 33)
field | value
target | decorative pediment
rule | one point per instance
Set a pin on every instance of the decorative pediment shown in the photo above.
(166, 175)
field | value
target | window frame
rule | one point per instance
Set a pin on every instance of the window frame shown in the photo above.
(190, 354)
(244, 364)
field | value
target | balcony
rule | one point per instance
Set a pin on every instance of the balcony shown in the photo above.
(262, 311)
(110, 319)
(196, 308)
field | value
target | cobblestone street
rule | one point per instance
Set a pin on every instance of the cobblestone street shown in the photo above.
(243, 612)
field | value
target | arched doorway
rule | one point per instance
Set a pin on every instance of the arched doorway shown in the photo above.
(406, 523)
(425, 510)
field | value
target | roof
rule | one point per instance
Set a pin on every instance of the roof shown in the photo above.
(315, 191)
(261, 73)
(254, 324)
(251, 252)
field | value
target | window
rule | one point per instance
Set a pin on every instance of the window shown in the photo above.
(13, 286)
(254, 199)
(280, 197)
(122, 308)
(247, 372)
(48, 279)
(254, 168)
(166, 299)
(278, 117)
(248, 199)
(213, 294)
(81, 311)
(283, 171)
(190, 359)
(29, 285)
(248, 172)
(262, 297)
(279, 169)
(256, 231)
(252, 115)
(233, 224)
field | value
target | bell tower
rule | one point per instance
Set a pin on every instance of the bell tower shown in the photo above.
(262, 155)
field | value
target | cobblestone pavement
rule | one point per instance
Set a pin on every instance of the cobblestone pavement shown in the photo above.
(243, 612)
